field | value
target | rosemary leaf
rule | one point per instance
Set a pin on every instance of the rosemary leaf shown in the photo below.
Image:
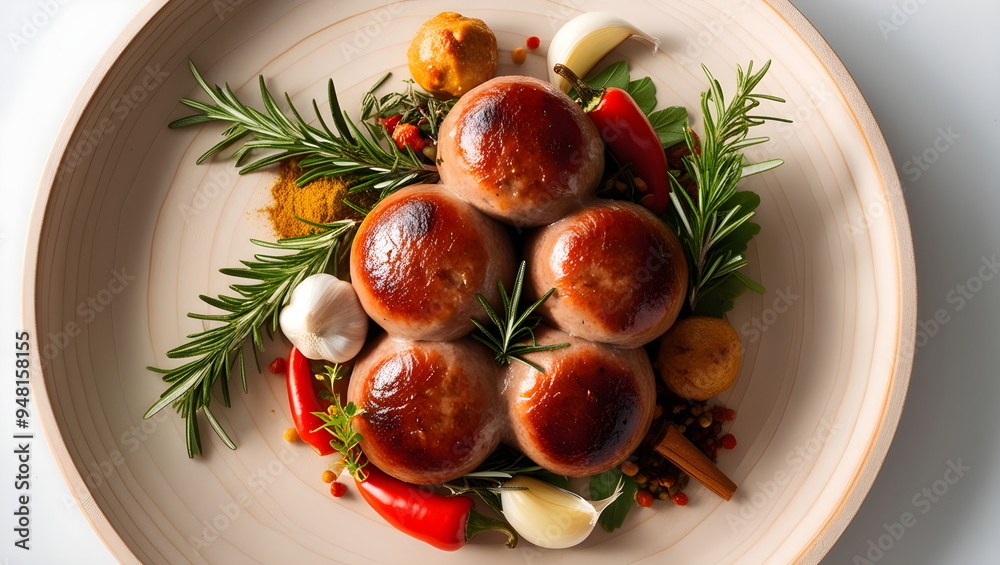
(257, 304)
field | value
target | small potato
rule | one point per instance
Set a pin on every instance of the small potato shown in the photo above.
(450, 54)
(699, 357)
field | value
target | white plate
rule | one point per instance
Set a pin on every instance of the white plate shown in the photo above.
(128, 231)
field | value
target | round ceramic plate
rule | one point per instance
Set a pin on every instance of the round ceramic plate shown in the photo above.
(128, 231)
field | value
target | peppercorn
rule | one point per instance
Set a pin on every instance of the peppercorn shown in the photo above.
(629, 468)
(519, 56)
(728, 441)
(290, 435)
(328, 476)
(533, 42)
(644, 498)
(680, 499)
(278, 366)
(337, 489)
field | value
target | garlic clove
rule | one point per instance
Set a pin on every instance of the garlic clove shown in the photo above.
(583, 41)
(324, 319)
(549, 516)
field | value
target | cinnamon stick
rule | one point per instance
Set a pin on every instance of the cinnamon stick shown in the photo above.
(688, 458)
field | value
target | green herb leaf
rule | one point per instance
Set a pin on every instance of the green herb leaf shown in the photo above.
(514, 327)
(255, 305)
(670, 124)
(603, 486)
(366, 154)
(338, 421)
(644, 93)
(614, 75)
(714, 224)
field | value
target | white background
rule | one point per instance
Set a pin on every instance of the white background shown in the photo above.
(930, 69)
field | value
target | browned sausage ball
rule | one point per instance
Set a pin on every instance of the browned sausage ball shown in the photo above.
(587, 412)
(520, 150)
(419, 259)
(620, 274)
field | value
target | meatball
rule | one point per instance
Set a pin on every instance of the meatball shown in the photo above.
(450, 54)
(419, 259)
(520, 150)
(431, 412)
(620, 274)
(587, 412)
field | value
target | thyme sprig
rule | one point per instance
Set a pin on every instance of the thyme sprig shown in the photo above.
(515, 326)
(338, 421)
(413, 106)
(254, 306)
(714, 224)
(366, 154)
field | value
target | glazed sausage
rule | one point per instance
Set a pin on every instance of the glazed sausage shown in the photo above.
(620, 274)
(587, 412)
(431, 410)
(520, 150)
(419, 259)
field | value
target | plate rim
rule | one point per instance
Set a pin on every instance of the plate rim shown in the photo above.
(858, 107)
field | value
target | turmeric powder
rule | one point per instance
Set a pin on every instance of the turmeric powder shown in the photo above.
(321, 201)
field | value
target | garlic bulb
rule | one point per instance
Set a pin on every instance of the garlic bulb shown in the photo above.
(324, 319)
(581, 42)
(549, 516)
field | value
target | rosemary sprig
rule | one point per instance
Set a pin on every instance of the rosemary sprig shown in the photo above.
(365, 154)
(255, 305)
(413, 106)
(337, 421)
(513, 326)
(714, 225)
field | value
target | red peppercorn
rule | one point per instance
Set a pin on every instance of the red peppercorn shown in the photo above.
(680, 499)
(408, 134)
(278, 366)
(728, 441)
(533, 42)
(644, 498)
(337, 489)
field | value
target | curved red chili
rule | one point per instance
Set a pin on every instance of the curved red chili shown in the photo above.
(302, 398)
(446, 522)
(629, 135)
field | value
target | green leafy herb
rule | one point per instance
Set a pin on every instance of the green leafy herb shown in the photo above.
(255, 305)
(367, 155)
(714, 224)
(338, 421)
(513, 327)
(603, 486)
(670, 124)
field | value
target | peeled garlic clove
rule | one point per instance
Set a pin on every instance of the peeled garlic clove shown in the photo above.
(324, 319)
(583, 41)
(548, 516)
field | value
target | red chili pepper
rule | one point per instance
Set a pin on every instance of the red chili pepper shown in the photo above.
(446, 522)
(303, 401)
(390, 123)
(408, 134)
(629, 135)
